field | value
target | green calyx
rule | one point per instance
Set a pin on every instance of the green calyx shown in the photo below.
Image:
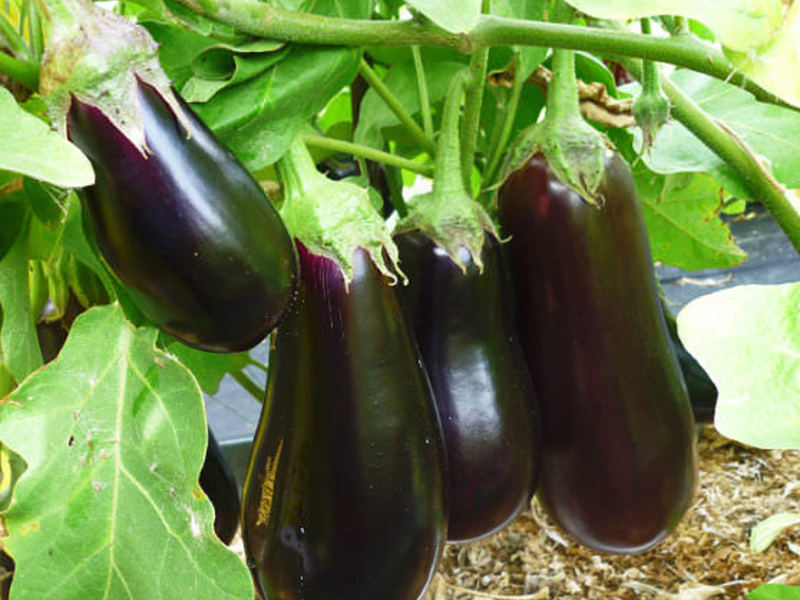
(333, 218)
(96, 56)
(575, 151)
(651, 107)
(448, 215)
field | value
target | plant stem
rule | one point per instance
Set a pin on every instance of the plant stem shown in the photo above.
(327, 143)
(21, 71)
(509, 115)
(271, 21)
(394, 105)
(249, 385)
(650, 81)
(758, 179)
(422, 87)
(11, 39)
(472, 112)
(448, 153)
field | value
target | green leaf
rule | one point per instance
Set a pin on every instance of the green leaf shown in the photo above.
(776, 64)
(681, 212)
(747, 338)
(258, 119)
(230, 70)
(208, 367)
(49, 202)
(772, 591)
(739, 24)
(31, 148)
(18, 334)
(109, 507)
(768, 530)
(401, 80)
(762, 126)
(456, 16)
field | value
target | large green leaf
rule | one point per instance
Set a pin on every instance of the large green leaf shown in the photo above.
(18, 334)
(113, 433)
(773, 591)
(747, 338)
(31, 148)
(208, 367)
(258, 119)
(764, 127)
(739, 24)
(457, 16)
(681, 211)
(776, 64)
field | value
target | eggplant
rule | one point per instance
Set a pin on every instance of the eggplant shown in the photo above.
(618, 457)
(184, 226)
(344, 496)
(702, 391)
(464, 326)
(219, 484)
(6, 575)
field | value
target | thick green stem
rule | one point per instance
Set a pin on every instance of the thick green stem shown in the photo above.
(473, 101)
(759, 181)
(422, 88)
(650, 81)
(448, 152)
(562, 93)
(21, 71)
(509, 115)
(327, 143)
(268, 20)
(398, 109)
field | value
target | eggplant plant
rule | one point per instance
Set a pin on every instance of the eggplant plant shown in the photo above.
(161, 215)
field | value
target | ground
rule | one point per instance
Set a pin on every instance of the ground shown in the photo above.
(707, 556)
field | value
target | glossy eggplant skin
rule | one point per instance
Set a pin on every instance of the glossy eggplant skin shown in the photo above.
(618, 455)
(185, 227)
(219, 484)
(344, 496)
(464, 326)
(702, 391)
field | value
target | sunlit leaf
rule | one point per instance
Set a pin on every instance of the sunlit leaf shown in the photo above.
(738, 24)
(747, 338)
(113, 433)
(31, 148)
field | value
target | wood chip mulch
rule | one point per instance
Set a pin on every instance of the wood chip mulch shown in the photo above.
(707, 556)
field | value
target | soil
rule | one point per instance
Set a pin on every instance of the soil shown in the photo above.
(707, 556)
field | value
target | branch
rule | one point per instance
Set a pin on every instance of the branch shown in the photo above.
(270, 21)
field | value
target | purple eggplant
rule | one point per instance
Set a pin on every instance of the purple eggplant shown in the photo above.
(184, 226)
(618, 454)
(219, 484)
(344, 495)
(464, 325)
